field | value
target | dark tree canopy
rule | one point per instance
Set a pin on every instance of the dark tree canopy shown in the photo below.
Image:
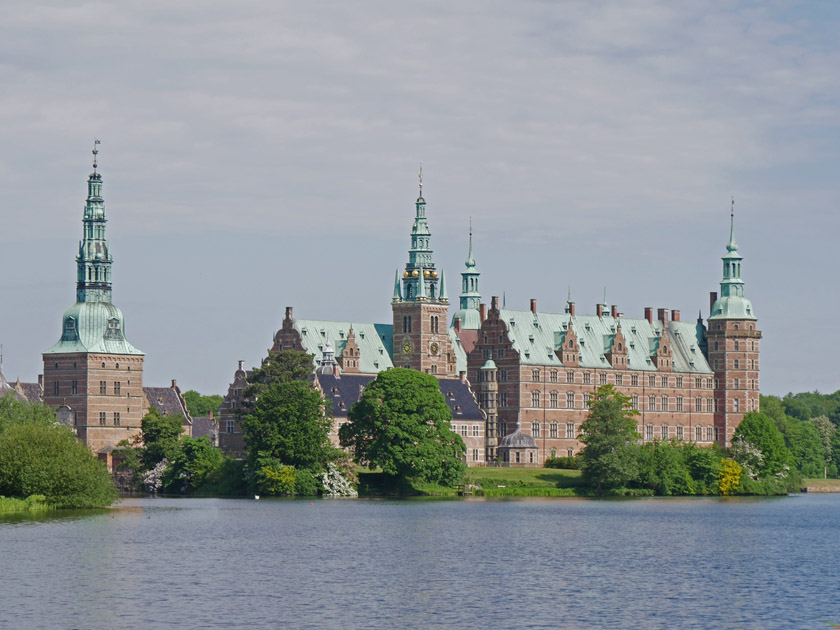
(199, 405)
(13, 411)
(279, 367)
(610, 457)
(401, 424)
(160, 436)
(288, 423)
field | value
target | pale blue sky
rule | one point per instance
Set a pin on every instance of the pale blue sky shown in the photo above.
(264, 154)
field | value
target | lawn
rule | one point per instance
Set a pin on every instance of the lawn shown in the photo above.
(525, 481)
(822, 485)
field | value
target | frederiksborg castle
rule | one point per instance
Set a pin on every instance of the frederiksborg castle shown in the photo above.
(517, 381)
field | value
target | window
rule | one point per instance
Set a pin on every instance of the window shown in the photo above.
(586, 398)
(553, 376)
(698, 434)
(475, 454)
(649, 432)
(553, 402)
(634, 400)
(55, 388)
(103, 387)
(651, 403)
(531, 457)
(603, 378)
(710, 434)
(74, 387)
(664, 381)
(517, 457)
(697, 383)
(716, 346)
(535, 399)
(679, 381)
(587, 378)
(535, 375)
(504, 428)
(500, 352)
(698, 405)
(570, 400)
(716, 364)
(665, 403)
(679, 403)
(475, 430)
(552, 430)
(116, 418)
(634, 380)
(454, 428)
(736, 383)
(102, 419)
(737, 403)
(570, 377)
(709, 404)
(116, 388)
(737, 364)
(229, 428)
(570, 453)
(535, 429)
(502, 399)
(570, 430)
(680, 432)
(651, 381)
(464, 428)
(664, 432)
(737, 345)
(503, 376)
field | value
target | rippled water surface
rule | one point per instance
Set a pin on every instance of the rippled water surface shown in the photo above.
(560, 563)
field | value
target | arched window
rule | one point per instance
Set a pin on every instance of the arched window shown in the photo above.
(535, 399)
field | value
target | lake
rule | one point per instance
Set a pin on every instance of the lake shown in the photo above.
(522, 563)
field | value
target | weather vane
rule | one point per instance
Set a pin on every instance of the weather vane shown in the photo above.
(732, 211)
(420, 177)
(95, 152)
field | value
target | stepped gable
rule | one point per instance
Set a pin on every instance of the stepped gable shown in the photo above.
(345, 390)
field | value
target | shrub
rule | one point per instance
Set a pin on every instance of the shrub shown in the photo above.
(565, 463)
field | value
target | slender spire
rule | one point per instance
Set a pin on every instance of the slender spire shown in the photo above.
(93, 262)
(397, 293)
(470, 262)
(732, 246)
(420, 178)
(420, 256)
(421, 288)
(442, 297)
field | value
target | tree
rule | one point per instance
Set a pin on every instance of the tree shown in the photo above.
(401, 424)
(285, 366)
(193, 462)
(14, 411)
(609, 458)
(802, 440)
(160, 436)
(199, 405)
(288, 422)
(37, 458)
(826, 429)
(757, 430)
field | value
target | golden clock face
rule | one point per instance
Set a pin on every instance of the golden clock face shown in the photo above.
(433, 348)
(406, 347)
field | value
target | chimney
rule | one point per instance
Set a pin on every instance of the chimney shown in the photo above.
(533, 306)
(649, 314)
(571, 308)
(712, 300)
(662, 315)
(675, 315)
(289, 313)
(241, 366)
(614, 311)
(174, 384)
(457, 324)
(41, 380)
(463, 376)
(494, 303)
(482, 312)
(599, 310)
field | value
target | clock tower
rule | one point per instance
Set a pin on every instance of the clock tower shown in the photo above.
(420, 304)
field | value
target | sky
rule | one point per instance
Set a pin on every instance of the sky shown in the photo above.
(264, 154)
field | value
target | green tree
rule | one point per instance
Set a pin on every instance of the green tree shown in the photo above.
(802, 440)
(287, 422)
(401, 424)
(160, 436)
(610, 455)
(47, 459)
(194, 461)
(662, 468)
(199, 405)
(285, 366)
(758, 431)
(14, 411)
(827, 430)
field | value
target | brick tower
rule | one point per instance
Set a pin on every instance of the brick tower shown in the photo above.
(732, 340)
(93, 376)
(420, 304)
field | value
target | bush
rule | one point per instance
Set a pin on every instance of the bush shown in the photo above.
(47, 459)
(565, 463)
(307, 484)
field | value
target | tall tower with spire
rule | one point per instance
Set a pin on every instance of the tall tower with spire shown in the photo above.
(732, 342)
(470, 298)
(93, 375)
(420, 303)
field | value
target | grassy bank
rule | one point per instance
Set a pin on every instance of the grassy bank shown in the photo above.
(35, 503)
(524, 482)
(821, 485)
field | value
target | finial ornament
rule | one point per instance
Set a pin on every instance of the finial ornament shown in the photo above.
(420, 177)
(95, 152)
(732, 245)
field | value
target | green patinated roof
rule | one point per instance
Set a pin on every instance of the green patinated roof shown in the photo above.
(470, 318)
(375, 341)
(460, 353)
(93, 327)
(732, 307)
(536, 336)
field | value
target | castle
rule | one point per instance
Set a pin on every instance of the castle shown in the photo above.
(532, 373)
